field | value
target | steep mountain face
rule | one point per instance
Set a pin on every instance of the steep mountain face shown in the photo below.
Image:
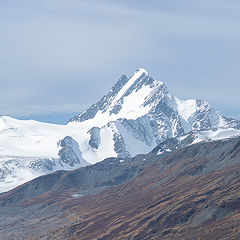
(190, 193)
(139, 113)
(134, 117)
(70, 153)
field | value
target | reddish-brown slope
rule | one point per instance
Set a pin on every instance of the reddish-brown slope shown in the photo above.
(192, 194)
(180, 202)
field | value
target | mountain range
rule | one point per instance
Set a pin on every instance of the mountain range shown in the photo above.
(191, 193)
(138, 114)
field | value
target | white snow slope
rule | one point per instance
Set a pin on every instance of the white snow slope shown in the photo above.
(129, 121)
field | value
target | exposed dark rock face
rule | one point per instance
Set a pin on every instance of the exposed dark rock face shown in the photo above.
(103, 103)
(120, 146)
(95, 137)
(70, 153)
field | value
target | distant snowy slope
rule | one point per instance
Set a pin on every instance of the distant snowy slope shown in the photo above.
(134, 117)
(30, 138)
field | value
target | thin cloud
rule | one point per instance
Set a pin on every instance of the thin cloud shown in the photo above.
(67, 51)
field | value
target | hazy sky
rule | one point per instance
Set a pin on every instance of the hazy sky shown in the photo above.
(59, 56)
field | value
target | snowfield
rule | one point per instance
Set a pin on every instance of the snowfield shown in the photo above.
(135, 116)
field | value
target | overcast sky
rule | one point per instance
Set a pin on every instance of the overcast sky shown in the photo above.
(59, 56)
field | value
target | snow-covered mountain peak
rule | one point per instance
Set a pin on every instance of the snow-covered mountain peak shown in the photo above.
(142, 96)
(135, 116)
(129, 98)
(142, 70)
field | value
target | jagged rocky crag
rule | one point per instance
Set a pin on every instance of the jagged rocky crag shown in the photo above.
(140, 112)
(134, 117)
(188, 194)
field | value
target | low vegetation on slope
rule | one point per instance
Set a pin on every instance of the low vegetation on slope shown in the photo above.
(192, 193)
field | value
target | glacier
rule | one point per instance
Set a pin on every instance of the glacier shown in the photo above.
(134, 117)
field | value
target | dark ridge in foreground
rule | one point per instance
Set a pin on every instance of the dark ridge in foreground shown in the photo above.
(192, 193)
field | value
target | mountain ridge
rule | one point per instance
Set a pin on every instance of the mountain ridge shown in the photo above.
(134, 117)
(186, 194)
